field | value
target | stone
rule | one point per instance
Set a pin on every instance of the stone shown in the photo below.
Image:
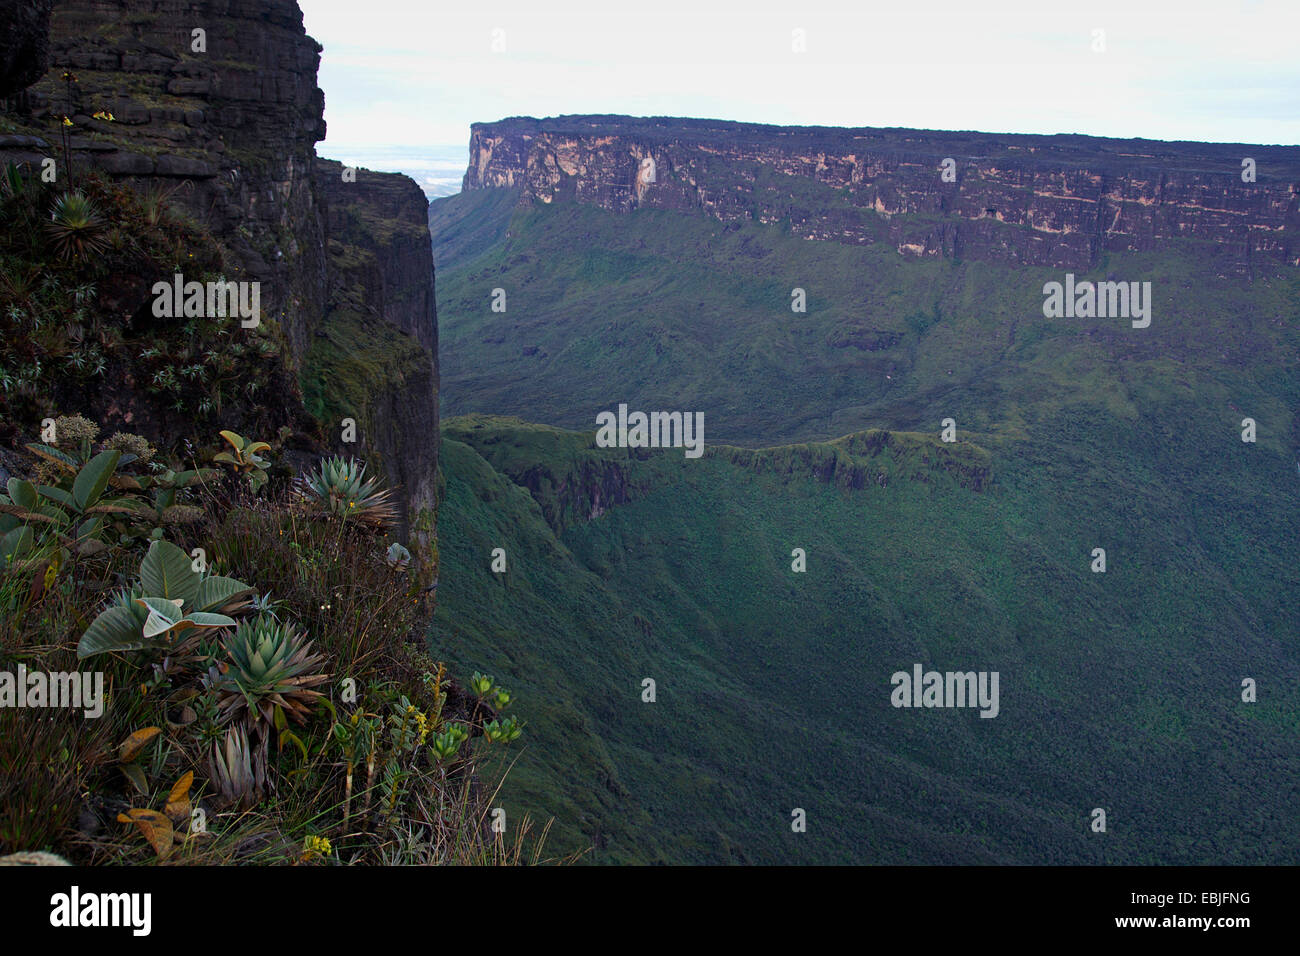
(167, 165)
(124, 163)
(24, 43)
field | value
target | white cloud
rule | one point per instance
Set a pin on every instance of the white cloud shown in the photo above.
(397, 72)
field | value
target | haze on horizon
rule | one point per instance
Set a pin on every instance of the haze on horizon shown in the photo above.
(403, 81)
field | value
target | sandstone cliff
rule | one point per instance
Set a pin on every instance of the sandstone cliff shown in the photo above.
(219, 99)
(375, 354)
(1060, 201)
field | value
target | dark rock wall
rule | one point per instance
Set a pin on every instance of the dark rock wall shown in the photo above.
(381, 262)
(24, 43)
(234, 125)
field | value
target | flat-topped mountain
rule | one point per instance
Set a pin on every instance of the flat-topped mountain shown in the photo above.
(1061, 201)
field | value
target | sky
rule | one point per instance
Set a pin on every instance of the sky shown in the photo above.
(404, 79)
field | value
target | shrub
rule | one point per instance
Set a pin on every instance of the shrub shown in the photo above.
(245, 458)
(170, 598)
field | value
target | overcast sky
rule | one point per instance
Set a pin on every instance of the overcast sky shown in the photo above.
(416, 73)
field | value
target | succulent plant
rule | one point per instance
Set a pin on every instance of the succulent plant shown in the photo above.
(236, 773)
(447, 744)
(503, 731)
(342, 489)
(268, 665)
(76, 227)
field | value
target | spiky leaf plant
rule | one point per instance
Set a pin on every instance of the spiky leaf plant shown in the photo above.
(76, 228)
(342, 489)
(235, 773)
(268, 665)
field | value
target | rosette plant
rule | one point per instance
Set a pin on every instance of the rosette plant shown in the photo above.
(268, 666)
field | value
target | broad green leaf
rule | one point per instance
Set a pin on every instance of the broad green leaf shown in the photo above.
(22, 493)
(184, 479)
(57, 494)
(117, 629)
(21, 512)
(156, 624)
(135, 773)
(17, 542)
(53, 455)
(163, 615)
(204, 619)
(216, 591)
(89, 528)
(166, 572)
(93, 479)
(54, 514)
(236, 441)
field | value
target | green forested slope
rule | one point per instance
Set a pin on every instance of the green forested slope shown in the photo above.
(1118, 690)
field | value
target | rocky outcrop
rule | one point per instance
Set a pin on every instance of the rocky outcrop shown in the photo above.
(1059, 201)
(218, 100)
(381, 268)
(24, 43)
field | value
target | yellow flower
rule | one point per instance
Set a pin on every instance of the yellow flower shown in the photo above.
(66, 121)
(314, 846)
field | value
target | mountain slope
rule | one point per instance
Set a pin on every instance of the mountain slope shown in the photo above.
(1118, 690)
(665, 310)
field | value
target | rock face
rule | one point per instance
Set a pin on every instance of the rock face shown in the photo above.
(229, 115)
(381, 268)
(24, 43)
(1060, 201)
(218, 98)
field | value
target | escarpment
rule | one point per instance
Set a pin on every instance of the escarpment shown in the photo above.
(374, 357)
(1058, 201)
(216, 104)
